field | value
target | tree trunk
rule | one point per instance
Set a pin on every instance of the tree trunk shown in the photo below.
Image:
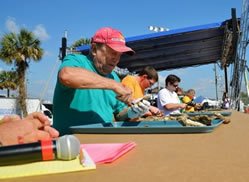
(21, 70)
(8, 93)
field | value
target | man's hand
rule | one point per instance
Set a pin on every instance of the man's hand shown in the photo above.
(124, 93)
(138, 109)
(155, 111)
(182, 106)
(34, 127)
(198, 106)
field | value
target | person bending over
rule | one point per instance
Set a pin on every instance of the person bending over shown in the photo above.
(146, 78)
(188, 99)
(168, 100)
(88, 91)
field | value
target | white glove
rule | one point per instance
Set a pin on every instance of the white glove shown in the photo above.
(138, 109)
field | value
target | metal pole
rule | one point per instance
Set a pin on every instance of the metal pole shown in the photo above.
(226, 84)
(215, 75)
(63, 49)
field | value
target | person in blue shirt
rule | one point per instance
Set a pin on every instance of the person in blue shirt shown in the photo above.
(88, 91)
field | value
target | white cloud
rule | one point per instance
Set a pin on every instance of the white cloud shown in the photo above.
(11, 25)
(47, 53)
(41, 32)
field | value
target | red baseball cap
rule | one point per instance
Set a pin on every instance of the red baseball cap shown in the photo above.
(112, 38)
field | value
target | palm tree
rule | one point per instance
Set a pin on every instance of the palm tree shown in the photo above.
(80, 42)
(8, 80)
(20, 49)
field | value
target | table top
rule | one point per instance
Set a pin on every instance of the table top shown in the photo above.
(222, 155)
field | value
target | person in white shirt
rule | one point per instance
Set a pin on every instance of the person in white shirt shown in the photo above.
(167, 100)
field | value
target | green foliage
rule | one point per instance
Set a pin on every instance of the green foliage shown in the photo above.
(80, 42)
(8, 80)
(244, 98)
(19, 49)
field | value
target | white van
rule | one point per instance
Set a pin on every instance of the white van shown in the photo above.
(8, 106)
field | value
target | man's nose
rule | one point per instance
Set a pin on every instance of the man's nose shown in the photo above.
(114, 60)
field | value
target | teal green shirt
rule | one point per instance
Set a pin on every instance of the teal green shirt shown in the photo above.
(73, 107)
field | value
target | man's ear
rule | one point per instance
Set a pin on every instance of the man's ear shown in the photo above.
(94, 49)
(144, 76)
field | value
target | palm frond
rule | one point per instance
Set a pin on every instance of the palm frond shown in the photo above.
(20, 49)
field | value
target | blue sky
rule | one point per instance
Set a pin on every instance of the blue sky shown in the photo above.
(49, 19)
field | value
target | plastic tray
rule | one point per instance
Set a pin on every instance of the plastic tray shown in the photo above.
(209, 113)
(148, 127)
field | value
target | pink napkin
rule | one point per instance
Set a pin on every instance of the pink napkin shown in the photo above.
(107, 152)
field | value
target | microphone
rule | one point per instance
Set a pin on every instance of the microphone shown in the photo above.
(66, 147)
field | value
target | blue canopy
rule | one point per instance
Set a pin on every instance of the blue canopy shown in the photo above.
(177, 48)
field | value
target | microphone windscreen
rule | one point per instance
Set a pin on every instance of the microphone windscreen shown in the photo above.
(68, 147)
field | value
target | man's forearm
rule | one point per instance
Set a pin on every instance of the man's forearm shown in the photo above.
(123, 115)
(82, 78)
(172, 106)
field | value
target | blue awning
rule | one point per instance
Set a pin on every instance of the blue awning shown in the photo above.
(177, 48)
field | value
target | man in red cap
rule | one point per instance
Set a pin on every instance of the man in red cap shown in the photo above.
(87, 89)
